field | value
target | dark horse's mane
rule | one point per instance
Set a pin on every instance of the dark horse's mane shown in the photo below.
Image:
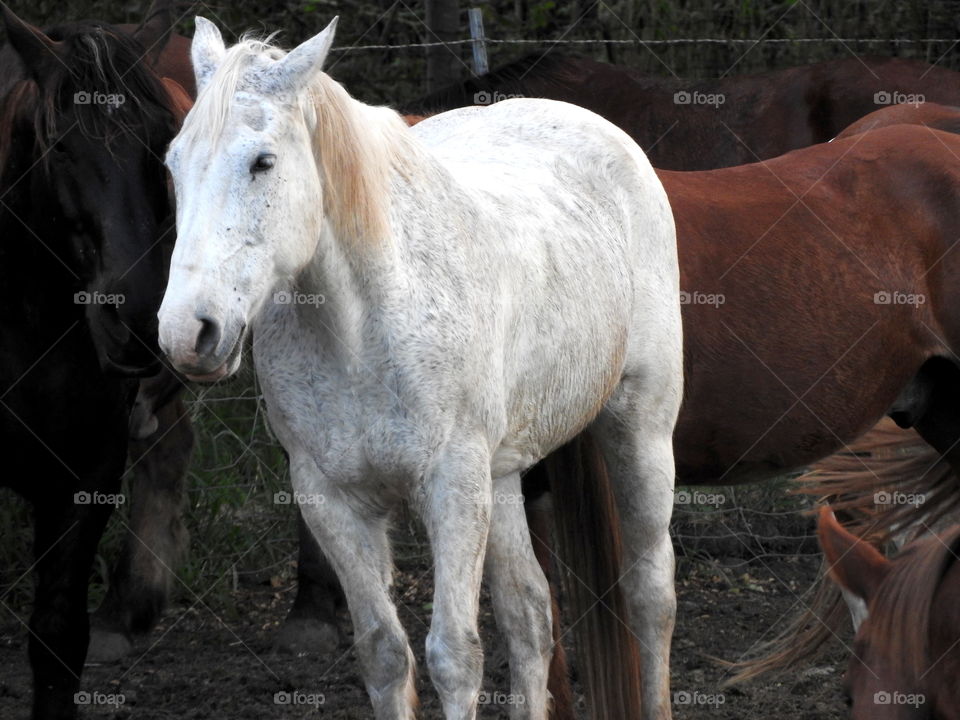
(93, 57)
(515, 78)
(901, 615)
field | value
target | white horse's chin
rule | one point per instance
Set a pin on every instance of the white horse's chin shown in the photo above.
(218, 374)
(229, 367)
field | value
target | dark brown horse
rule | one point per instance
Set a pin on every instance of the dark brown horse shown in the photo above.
(906, 654)
(713, 123)
(84, 216)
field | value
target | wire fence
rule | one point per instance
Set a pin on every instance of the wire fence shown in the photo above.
(639, 42)
(241, 535)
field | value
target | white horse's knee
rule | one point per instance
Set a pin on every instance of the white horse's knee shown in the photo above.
(526, 617)
(455, 661)
(386, 657)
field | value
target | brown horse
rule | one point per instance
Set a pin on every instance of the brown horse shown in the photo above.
(930, 114)
(890, 484)
(906, 654)
(713, 123)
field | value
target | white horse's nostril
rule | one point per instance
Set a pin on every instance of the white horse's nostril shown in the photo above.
(208, 338)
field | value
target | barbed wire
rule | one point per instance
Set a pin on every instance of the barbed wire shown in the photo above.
(639, 41)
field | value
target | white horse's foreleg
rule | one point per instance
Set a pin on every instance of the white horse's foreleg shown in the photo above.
(358, 548)
(638, 449)
(521, 602)
(457, 516)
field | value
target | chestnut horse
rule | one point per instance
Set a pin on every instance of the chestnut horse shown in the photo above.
(710, 124)
(930, 114)
(905, 654)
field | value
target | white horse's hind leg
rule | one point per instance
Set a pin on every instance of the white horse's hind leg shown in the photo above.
(457, 516)
(637, 445)
(357, 546)
(521, 601)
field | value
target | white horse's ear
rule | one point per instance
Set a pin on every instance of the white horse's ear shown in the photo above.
(206, 51)
(299, 66)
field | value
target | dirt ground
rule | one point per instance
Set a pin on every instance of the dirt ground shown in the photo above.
(205, 664)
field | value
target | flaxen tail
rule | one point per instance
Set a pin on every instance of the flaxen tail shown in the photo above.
(888, 485)
(588, 541)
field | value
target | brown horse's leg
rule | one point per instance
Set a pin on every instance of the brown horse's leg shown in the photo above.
(536, 485)
(311, 625)
(155, 540)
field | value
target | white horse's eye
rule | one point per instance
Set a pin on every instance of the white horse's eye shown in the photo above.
(264, 161)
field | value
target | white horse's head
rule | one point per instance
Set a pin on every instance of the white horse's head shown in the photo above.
(268, 158)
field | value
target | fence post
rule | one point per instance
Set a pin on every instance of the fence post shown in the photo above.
(480, 66)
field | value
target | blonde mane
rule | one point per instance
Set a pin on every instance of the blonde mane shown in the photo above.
(357, 147)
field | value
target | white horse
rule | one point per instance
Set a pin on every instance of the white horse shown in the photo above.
(433, 311)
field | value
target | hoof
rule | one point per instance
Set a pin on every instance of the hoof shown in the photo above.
(307, 635)
(107, 646)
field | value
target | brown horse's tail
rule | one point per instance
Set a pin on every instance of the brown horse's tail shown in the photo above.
(889, 483)
(588, 541)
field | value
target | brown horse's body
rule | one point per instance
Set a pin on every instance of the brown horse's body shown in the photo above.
(761, 116)
(934, 115)
(799, 358)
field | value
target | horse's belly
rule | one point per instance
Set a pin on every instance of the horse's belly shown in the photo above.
(551, 403)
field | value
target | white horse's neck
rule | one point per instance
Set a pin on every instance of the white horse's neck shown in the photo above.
(370, 163)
